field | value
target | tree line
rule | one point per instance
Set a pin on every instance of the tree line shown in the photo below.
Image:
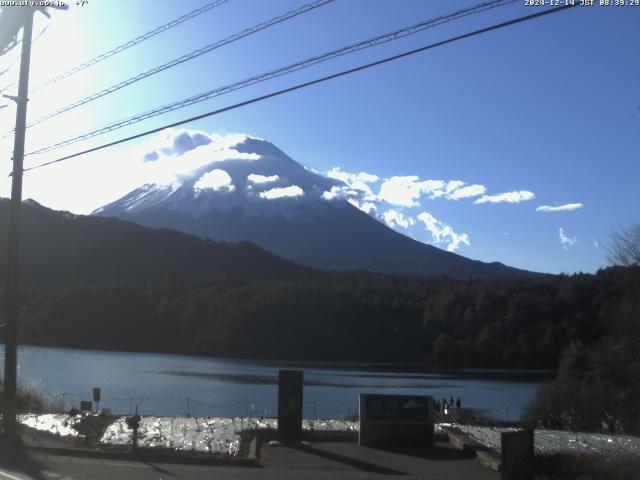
(511, 322)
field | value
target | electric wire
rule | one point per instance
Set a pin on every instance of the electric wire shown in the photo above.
(185, 58)
(313, 82)
(378, 40)
(125, 46)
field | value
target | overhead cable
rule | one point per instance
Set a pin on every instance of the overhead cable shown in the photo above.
(309, 83)
(120, 48)
(378, 40)
(185, 58)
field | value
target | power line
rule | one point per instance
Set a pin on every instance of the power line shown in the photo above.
(125, 46)
(312, 82)
(378, 40)
(185, 58)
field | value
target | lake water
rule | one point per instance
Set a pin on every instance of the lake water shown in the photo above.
(164, 384)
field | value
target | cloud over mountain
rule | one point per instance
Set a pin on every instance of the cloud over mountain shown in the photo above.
(254, 178)
(216, 180)
(284, 192)
(177, 155)
(443, 233)
(404, 191)
(395, 218)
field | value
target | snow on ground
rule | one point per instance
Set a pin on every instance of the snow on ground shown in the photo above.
(330, 425)
(205, 434)
(221, 436)
(548, 441)
(56, 423)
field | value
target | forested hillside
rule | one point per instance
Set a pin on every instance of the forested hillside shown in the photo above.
(510, 322)
(60, 248)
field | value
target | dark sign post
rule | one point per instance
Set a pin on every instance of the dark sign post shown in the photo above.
(96, 397)
(392, 419)
(133, 422)
(290, 384)
(517, 455)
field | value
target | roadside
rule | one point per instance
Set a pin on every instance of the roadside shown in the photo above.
(314, 460)
(63, 445)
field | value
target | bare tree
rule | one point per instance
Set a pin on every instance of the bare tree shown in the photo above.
(624, 246)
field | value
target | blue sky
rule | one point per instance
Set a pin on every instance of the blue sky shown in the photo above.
(548, 108)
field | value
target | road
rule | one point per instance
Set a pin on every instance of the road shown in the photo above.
(322, 460)
(54, 467)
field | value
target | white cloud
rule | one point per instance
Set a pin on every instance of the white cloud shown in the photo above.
(560, 208)
(350, 178)
(255, 178)
(508, 197)
(292, 191)
(367, 207)
(357, 185)
(395, 218)
(364, 188)
(164, 159)
(437, 188)
(566, 241)
(174, 142)
(443, 233)
(404, 191)
(339, 192)
(453, 185)
(216, 180)
(468, 191)
(407, 190)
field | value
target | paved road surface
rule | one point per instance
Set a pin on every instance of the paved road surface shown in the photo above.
(321, 460)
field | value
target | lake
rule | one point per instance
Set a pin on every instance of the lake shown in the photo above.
(167, 384)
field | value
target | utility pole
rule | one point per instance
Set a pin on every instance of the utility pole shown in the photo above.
(11, 340)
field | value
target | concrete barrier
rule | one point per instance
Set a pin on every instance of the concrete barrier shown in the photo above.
(517, 455)
(290, 387)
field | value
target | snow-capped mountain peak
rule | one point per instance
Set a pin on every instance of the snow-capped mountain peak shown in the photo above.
(195, 173)
(237, 187)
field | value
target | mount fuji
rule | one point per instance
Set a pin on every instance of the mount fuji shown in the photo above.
(237, 188)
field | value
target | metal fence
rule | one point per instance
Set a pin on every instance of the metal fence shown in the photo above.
(188, 406)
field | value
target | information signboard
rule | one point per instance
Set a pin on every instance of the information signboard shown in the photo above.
(392, 419)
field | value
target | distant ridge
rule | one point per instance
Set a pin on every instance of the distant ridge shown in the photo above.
(61, 248)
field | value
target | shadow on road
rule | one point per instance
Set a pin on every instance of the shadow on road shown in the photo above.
(352, 462)
(18, 460)
(157, 469)
(435, 452)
